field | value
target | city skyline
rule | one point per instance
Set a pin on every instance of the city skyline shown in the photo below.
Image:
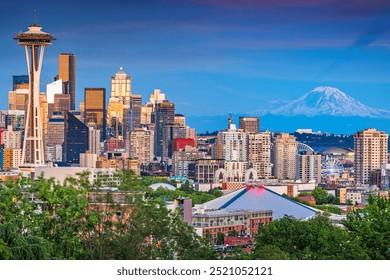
(123, 170)
(204, 54)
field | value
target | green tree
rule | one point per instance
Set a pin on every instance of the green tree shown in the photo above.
(270, 252)
(5, 254)
(320, 195)
(371, 225)
(43, 219)
(186, 187)
(153, 232)
(331, 199)
(315, 239)
(304, 194)
(16, 245)
(220, 238)
(216, 192)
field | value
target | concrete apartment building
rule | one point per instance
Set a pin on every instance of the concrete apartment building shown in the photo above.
(285, 156)
(371, 151)
(259, 153)
(308, 167)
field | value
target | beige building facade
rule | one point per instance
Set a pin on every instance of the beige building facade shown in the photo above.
(371, 151)
(259, 153)
(285, 156)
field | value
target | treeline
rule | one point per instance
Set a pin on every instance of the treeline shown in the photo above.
(46, 220)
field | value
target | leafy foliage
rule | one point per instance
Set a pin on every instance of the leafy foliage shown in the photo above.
(315, 239)
(320, 195)
(371, 226)
(43, 219)
(271, 252)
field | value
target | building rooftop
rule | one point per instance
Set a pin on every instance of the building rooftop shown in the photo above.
(121, 72)
(163, 185)
(262, 198)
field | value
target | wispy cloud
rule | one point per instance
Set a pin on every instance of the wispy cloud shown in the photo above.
(381, 45)
(361, 6)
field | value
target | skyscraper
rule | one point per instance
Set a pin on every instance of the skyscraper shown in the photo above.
(121, 86)
(94, 141)
(61, 103)
(115, 113)
(118, 118)
(371, 148)
(171, 131)
(165, 113)
(95, 109)
(285, 156)
(232, 143)
(308, 167)
(259, 153)
(16, 119)
(183, 158)
(75, 139)
(67, 72)
(18, 99)
(135, 111)
(250, 124)
(34, 41)
(55, 138)
(11, 139)
(19, 82)
(140, 145)
(180, 119)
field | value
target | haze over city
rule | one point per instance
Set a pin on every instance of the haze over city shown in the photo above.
(212, 57)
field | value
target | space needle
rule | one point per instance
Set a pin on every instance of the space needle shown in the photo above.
(34, 41)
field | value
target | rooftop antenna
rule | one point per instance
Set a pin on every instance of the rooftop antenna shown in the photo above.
(230, 120)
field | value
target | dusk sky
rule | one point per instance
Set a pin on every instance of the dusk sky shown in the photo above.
(211, 57)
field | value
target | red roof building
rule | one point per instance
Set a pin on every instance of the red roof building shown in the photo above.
(180, 143)
(309, 199)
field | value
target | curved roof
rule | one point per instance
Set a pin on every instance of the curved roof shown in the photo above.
(262, 198)
(163, 185)
(333, 150)
(304, 147)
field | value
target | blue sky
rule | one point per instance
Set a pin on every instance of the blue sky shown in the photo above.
(212, 57)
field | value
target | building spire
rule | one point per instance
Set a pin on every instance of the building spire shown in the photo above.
(230, 120)
(35, 17)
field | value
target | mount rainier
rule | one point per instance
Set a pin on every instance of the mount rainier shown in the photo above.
(325, 100)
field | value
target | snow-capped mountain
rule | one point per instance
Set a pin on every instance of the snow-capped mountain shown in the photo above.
(325, 100)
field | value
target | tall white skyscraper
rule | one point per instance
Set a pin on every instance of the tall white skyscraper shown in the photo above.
(232, 143)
